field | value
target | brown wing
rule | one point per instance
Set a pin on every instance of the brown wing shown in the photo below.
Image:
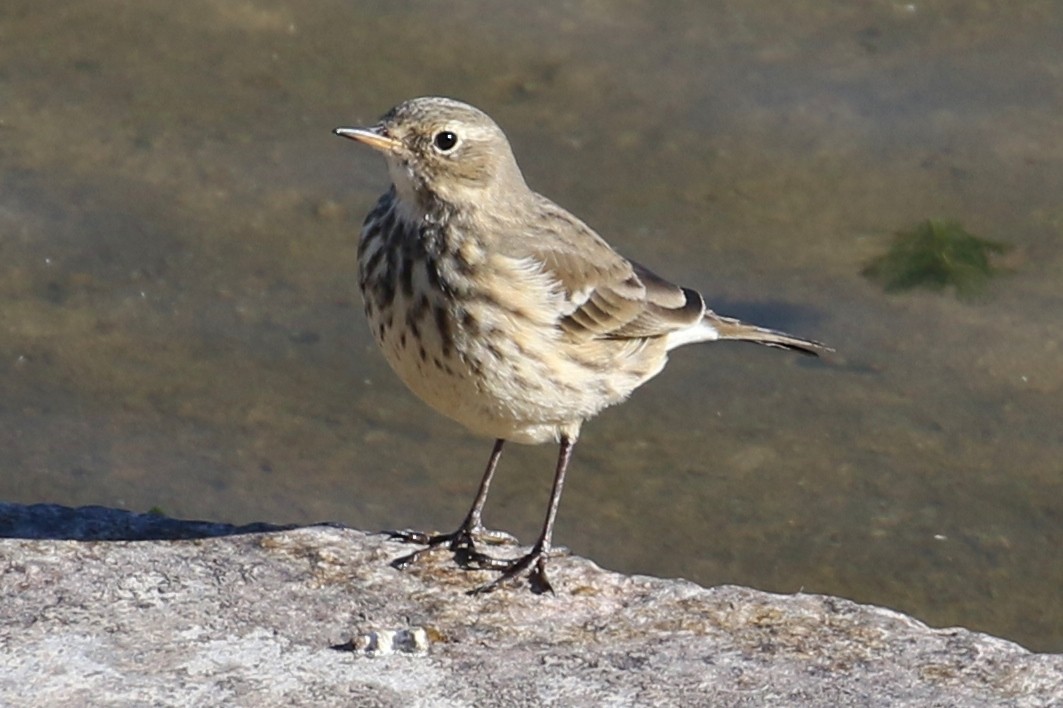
(610, 297)
(666, 307)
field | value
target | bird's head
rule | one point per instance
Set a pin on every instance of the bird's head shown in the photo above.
(442, 149)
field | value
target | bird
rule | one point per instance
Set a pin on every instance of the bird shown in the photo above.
(506, 313)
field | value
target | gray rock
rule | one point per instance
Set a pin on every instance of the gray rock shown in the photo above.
(223, 615)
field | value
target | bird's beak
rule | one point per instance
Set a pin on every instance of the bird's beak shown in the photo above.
(375, 137)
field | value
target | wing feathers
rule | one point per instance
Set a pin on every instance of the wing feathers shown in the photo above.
(614, 298)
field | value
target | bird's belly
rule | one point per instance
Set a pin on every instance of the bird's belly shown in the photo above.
(499, 378)
(477, 384)
(444, 382)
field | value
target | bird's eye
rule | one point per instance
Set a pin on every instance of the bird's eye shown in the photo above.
(445, 140)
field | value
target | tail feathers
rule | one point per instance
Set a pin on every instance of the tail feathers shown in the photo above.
(729, 328)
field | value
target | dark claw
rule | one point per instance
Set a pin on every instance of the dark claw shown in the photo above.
(490, 537)
(418, 537)
(535, 561)
(462, 543)
(406, 561)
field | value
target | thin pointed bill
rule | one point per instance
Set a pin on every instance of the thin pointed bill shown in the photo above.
(373, 137)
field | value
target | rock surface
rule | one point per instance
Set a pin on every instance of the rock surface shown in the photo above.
(209, 614)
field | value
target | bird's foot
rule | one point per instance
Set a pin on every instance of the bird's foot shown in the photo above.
(534, 564)
(463, 543)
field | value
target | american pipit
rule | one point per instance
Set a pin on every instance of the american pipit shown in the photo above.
(503, 311)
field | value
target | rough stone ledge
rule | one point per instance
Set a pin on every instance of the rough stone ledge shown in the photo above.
(209, 614)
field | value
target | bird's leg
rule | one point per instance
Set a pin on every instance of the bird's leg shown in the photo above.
(463, 541)
(535, 560)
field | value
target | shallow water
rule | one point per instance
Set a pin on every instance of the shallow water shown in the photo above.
(180, 327)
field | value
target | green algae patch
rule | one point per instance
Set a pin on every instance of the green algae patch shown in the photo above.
(937, 255)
